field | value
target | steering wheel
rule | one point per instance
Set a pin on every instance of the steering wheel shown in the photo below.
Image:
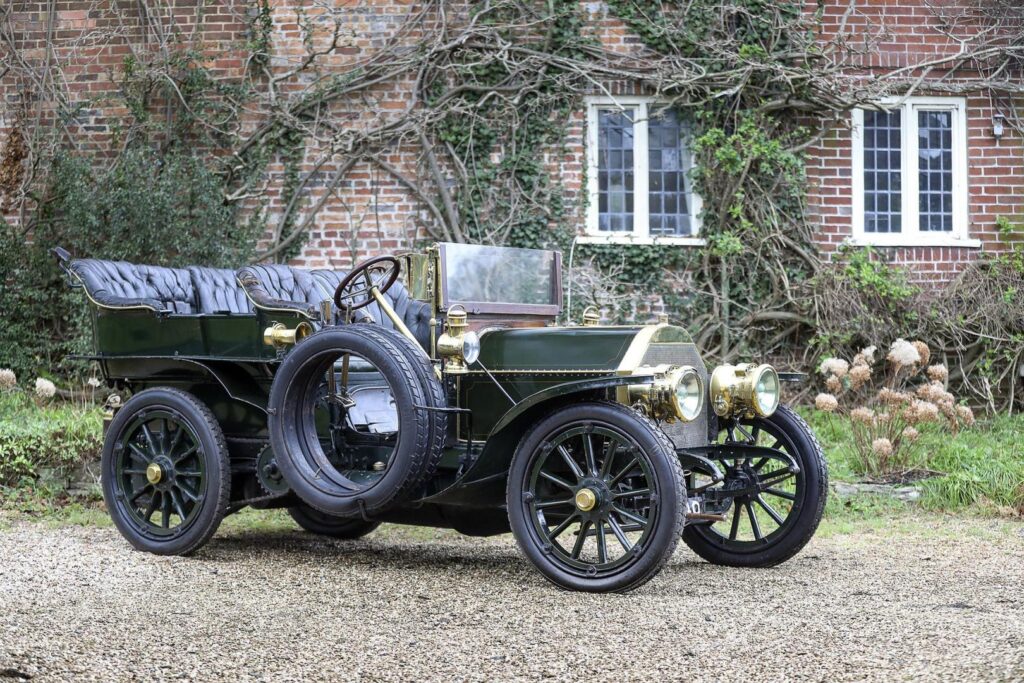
(380, 272)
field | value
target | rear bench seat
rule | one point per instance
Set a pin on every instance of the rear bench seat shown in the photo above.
(184, 291)
(218, 291)
(118, 284)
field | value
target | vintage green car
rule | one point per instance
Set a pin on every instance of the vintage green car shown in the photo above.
(438, 388)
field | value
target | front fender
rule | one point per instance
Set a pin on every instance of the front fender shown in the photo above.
(582, 386)
(483, 484)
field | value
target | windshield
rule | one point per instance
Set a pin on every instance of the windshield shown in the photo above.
(493, 278)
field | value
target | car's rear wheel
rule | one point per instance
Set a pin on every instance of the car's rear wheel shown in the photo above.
(767, 527)
(323, 524)
(596, 497)
(166, 474)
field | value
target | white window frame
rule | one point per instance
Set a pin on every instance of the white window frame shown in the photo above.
(911, 235)
(641, 214)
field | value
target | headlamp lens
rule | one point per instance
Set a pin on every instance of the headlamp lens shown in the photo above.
(470, 347)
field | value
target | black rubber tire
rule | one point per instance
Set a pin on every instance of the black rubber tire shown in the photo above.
(217, 487)
(437, 419)
(293, 436)
(323, 524)
(670, 485)
(809, 506)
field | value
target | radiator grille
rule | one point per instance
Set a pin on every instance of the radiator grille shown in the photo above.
(683, 434)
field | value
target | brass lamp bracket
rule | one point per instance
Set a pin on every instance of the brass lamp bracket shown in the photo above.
(280, 336)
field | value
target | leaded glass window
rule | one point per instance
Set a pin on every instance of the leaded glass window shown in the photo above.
(910, 184)
(667, 182)
(935, 169)
(615, 173)
(638, 179)
(882, 172)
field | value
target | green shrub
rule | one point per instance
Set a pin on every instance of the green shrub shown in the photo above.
(981, 468)
(32, 438)
(165, 209)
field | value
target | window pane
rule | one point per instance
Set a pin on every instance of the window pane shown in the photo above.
(615, 170)
(882, 198)
(935, 169)
(667, 183)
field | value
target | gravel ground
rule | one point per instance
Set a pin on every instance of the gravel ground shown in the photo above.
(944, 601)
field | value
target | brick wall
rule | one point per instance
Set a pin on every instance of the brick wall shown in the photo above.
(370, 211)
(995, 168)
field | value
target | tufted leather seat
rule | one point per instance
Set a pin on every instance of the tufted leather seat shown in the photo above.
(118, 284)
(281, 287)
(217, 291)
(415, 314)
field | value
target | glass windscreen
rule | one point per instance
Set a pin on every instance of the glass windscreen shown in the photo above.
(480, 274)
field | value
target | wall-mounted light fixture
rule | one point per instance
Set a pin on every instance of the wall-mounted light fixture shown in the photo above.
(998, 126)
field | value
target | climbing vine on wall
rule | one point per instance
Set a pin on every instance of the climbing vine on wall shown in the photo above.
(489, 90)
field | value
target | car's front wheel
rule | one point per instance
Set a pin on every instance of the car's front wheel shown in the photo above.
(775, 510)
(596, 497)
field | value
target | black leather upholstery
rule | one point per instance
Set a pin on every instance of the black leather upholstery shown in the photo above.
(118, 284)
(217, 291)
(281, 287)
(415, 314)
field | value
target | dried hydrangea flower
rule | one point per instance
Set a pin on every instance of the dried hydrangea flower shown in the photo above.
(45, 388)
(923, 351)
(866, 356)
(862, 415)
(910, 434)
(882, 447)
(8, 380)
(938, 373)
(834, 384)
(860, 374)
(921, 411)
(883, 418)
(903, 354)
(826, 402)
(947, 405)
(934, 392)
(965, 414)
(834, 366)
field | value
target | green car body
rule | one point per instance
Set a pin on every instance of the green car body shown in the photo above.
(529, 367)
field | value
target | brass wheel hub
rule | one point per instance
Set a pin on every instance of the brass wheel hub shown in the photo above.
(586, 500)
(154, 473)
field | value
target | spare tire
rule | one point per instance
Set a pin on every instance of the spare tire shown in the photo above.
(296, 424)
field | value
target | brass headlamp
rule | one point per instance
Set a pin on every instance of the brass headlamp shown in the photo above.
(458, 346)
(744, 390)
(278, 335)
(677, 393)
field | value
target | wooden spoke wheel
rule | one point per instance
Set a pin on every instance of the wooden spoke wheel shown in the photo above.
(165, 472)
(775, 510)
(595, 495)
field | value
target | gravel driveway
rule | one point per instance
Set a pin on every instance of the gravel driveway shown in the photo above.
(935, 603)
